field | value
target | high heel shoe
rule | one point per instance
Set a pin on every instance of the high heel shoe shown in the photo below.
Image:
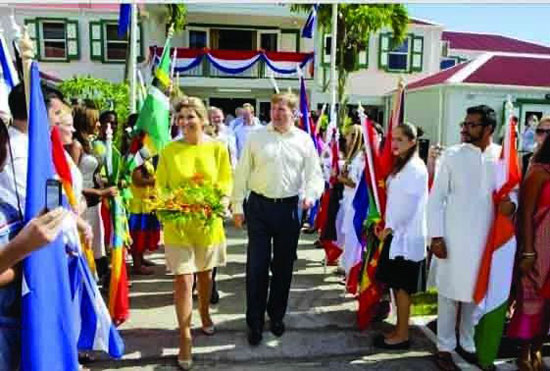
(208, 330)
(185, 364)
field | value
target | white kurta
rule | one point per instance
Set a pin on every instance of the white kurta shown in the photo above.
(460, 209)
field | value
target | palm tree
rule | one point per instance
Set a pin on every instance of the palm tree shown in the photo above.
(355, 25)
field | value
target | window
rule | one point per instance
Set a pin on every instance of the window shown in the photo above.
(407, 57)
(106, 46)
(198, 39)
(447, 63)
(268, 41)
(54, 39)
(362, 55)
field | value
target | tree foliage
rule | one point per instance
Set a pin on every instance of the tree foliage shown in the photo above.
(356, 22)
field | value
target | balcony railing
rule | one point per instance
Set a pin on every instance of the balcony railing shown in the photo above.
(259, 70)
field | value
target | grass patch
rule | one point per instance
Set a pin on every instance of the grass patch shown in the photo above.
(424, 303)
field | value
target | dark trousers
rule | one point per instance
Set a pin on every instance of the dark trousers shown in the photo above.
(269, 224)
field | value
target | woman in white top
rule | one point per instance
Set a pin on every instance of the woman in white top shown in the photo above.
(402, 262)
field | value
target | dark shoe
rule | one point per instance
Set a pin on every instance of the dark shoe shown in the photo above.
(380, 342)
(214, 297)
(468, 356)
(444, 360)
(277, 328)
(254, 336)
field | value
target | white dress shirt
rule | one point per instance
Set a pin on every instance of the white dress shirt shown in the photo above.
(242, 132)
(278, 165)
(19, 143)
(406, 211)
(226, 136)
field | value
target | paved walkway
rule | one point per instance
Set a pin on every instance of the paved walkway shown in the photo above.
(321, 330)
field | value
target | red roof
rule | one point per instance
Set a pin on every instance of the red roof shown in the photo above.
(437, 78)
(491, 43)
(494, 69)
(510, 70)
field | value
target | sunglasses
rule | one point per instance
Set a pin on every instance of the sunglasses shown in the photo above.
(542, 131)
(471, 125)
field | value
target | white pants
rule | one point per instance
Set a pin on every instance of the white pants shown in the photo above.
(446, 324)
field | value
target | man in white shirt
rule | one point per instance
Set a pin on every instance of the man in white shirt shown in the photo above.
(460, 214)
(249, 124)
(277, 162)
(238, 120)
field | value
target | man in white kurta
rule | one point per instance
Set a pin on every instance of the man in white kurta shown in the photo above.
(460, 213)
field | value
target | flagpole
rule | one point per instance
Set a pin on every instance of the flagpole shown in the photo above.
(333, 63)
(133, 55)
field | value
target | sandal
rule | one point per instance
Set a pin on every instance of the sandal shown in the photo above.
(444, 360)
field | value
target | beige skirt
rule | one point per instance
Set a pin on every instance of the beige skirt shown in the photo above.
(188, 260)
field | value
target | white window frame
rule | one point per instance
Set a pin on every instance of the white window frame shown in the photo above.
(44, 40)
(274, 31)
(326, 54)
(106, 41)
(200, 29)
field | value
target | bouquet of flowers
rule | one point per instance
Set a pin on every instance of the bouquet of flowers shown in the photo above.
(194, 200)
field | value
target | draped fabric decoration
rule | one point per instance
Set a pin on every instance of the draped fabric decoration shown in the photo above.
(237, 61)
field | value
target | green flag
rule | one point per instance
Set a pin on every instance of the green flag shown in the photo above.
(154, 116)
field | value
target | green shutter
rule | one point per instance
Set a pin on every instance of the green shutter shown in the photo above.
(417, 53)
(96, 41)
(73, 40)
(32, 28)
(383, 50)
(139, 41)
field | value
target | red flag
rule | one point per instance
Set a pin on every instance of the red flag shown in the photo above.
(62, 166)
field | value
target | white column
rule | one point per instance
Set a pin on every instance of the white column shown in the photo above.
(133, 56)
(333, 61)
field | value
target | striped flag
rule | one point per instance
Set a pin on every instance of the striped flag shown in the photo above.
(8, 78)
(306, 122)
(370, 291)
(311, 22)
(495, 272)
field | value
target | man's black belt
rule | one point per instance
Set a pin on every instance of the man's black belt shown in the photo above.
(284, 200)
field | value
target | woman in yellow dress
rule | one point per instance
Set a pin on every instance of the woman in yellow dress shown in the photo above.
(192, 248)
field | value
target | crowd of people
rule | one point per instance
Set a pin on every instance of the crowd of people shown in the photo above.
(271, 178)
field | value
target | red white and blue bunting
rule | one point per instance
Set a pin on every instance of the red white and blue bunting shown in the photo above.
(235, 62)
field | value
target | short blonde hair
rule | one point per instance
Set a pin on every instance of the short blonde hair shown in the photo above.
(544, 119)
(195, 104)
(290, 99)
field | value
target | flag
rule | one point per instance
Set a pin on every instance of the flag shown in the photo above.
(48, 336)
(9, 77)
(62, 167)
(154, 117)
(370, 291)
(497, 263)
(386, 155)
(311, 22)
(305, 118)
(124, 16)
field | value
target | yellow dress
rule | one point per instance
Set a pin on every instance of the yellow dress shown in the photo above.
(194, 248)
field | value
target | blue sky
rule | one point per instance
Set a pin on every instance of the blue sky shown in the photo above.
(524, 21)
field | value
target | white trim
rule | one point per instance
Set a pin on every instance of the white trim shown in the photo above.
(273, 31)
(188, 30)
(469, 69)
(502, 54)
(431, 23)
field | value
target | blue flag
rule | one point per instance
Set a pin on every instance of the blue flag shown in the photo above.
(48, 337)
(124, 19)
(309, 26)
